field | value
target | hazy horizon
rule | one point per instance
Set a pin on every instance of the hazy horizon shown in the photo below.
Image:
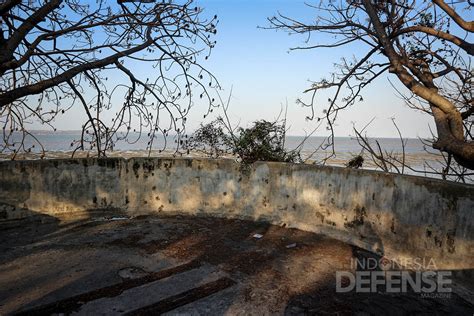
(78, 131)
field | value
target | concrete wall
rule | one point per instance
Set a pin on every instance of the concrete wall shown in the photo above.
(400, 216)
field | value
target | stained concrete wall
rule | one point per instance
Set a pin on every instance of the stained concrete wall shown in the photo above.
(400, 216)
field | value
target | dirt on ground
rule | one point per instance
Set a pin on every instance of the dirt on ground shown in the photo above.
(250, 268)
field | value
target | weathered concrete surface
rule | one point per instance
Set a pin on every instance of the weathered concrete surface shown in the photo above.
(185, 266)
(398, 216)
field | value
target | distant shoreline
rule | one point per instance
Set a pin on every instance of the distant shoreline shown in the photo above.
(78, 132)
(58, 146)
(412, 159)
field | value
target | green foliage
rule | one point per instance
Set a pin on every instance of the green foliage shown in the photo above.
(355, 162)
(426, 19)
(210, 139)
(263, 141)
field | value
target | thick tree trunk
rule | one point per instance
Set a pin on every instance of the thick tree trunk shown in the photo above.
(447, 117)
(463, 152)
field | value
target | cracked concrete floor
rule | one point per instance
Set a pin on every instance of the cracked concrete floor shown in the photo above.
(187, 266)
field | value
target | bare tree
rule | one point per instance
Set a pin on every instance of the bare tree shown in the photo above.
(262, 141)
(425, 44)
(59, 54)
(388, 161)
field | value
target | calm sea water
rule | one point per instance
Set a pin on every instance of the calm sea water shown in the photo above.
(345, 147)
(61, 141)
(420, 158)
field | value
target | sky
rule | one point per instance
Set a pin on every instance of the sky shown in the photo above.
(265, 75)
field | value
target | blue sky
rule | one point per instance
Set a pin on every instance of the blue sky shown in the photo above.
(264, 74)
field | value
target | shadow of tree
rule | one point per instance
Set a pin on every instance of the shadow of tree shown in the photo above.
(52, 259)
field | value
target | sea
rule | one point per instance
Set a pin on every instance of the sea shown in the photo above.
(420, 158)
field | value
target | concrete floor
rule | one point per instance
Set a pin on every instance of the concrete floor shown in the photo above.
(187, 266)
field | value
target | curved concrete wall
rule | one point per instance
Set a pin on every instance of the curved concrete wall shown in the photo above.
(399, 216)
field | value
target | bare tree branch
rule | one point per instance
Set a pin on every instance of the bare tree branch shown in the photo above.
(60, 54)
(412, 40)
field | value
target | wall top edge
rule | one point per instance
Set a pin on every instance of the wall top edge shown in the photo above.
(292, 166)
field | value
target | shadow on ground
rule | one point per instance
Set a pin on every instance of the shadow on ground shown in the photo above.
(185, 265)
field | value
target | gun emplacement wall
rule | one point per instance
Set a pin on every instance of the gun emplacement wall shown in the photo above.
(399, 216)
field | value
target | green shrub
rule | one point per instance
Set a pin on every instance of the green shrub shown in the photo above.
(263, 141)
